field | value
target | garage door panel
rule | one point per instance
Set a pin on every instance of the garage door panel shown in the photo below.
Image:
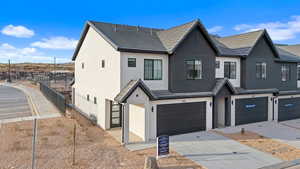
(288, 109)
(251, 110)
(181, 118)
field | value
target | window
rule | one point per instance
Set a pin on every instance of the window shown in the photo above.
(285, 73)
(152, 69)
(82, 65)
(193, 69)
(230, 70)
(103, 63)
(261, 70)
(95, 100)
(131, 62)
(217, 64)
(298, 72)
(88, 97)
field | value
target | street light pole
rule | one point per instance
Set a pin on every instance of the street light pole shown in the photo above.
(54, 70)
(9, 78)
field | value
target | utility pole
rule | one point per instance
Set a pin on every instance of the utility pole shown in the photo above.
(54, 70)
(9, 78)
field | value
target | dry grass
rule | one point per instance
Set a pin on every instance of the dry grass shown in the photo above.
(95, 149)
(268, 145)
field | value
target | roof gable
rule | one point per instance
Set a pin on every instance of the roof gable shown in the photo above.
(222, 83)
(173, 37)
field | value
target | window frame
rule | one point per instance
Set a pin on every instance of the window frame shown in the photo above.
(298, 72)
(232, 66)
(200, 71)
(261, 70)
(218, 64)
(285, 72)
(153, 69)
(133, 60)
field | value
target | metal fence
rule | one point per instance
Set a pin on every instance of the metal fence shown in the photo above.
(55, 97)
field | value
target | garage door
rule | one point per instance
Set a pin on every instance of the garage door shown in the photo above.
(288, 109)
(181, 118)
(251, 110)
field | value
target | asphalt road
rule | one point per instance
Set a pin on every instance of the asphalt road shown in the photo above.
(13, 103)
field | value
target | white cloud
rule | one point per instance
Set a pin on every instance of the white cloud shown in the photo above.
(279, 31)
(27, 54)
(215, 29)
(17, 31)
(58, 42)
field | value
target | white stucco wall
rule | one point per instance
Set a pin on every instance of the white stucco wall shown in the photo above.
(103, 83)
(137, 120)
(220, 71)
(135, 73)
(234, 97)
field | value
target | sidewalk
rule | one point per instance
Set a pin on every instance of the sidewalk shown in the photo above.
(42, 105)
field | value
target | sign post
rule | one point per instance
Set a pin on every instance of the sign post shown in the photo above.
(162, 146)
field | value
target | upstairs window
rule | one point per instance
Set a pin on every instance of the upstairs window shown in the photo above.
(131, 62)
(82, 65)
(285, 73)
(103, 63)
(95, 100)
(298, 72)
(261, 70)
(152, 69)
(217, 64)
(193, 69)
(230, 70)
(88, 97)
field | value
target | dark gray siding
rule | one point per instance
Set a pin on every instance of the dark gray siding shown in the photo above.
(181, 118)
(262, 53)
(251, 110)
(195, 46)
(288, 109)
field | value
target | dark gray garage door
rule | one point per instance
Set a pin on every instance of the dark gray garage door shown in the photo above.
(288, 109)
(181, 118)
(251, 110)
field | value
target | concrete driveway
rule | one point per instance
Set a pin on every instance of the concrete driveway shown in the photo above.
(13, 103)
(214, 151)
(285, 132)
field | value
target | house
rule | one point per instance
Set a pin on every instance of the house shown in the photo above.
(171, 81)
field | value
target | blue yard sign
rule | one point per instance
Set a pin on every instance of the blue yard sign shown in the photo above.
(162, 146)
(250, 106)
(289, 105)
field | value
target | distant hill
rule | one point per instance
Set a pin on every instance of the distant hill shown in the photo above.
(37, 67)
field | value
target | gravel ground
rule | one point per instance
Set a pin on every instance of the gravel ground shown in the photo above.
(276, 148)
(94, 148)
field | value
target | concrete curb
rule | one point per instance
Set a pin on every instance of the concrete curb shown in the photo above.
(283, 165)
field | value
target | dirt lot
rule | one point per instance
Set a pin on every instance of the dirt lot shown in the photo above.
(276, 148)
(95, 148)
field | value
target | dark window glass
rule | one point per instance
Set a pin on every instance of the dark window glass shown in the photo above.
(95, 100)
(193, 69)
(261, 70)
(298, 72)
(285, 73)
(131, 62)
(152, 69)
(88, 97)
(230, 70)
(217, 64)
(82, 65)
(103, 63)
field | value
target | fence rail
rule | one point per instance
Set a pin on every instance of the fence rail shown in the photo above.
(55, 97)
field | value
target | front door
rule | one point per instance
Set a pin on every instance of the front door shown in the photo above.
(115, 115)
(227, 112)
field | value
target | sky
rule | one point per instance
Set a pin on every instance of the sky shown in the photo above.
(38, 31)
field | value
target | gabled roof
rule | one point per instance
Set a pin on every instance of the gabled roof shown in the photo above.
(130, 88)
(220, 84)
(286, 56)
(142, 39)
(242, 44)
(171, 38)
(294, 49)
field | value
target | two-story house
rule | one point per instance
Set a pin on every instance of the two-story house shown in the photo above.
(172, 81)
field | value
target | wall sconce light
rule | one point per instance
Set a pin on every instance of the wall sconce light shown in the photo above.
(152, 109)
(210, 104)
(232, 102)
(137, 95)
(275, 101)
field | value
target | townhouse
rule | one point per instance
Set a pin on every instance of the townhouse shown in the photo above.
(182, 79)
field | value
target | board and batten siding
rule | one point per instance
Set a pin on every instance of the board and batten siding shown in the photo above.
(102, 83)
(135, 73)
(220, 71)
